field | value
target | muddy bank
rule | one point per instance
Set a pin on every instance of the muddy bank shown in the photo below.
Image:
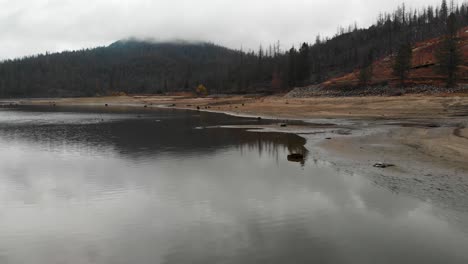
(429, 158)
(429, 162)
(433, 125)
(425, 137)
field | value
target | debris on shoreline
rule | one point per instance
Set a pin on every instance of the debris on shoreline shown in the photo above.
(383, 165)
(382, 90)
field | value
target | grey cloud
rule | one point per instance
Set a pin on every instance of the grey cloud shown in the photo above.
(35, 26)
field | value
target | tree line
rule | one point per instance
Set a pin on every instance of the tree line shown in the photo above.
(133, 66)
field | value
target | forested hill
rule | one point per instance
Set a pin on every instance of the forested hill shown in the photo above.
(129, 66)
(135, 66)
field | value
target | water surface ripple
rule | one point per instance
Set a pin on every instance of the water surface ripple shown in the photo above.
(94, 186)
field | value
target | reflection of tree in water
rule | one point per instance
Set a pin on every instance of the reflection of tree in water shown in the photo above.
(167, 133)
(272, 144)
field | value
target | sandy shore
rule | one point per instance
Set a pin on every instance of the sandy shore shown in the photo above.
(410, 106)
(425, 137)
(435, 125)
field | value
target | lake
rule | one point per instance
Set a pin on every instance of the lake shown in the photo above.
(84, 185)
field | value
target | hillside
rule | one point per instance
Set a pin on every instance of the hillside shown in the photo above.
(422, 71)
(147, 67)
(129, 66)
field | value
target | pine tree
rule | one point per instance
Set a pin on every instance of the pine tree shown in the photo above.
(317, 61)
(365, 75)
(292, 73)
(444, 11)
(303, 64)
(448, 54)
(366, 72)
(402, 63)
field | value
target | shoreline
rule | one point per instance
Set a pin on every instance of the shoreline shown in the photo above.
(451, 121)
(280, 107)
(434, 125)
(429, 150)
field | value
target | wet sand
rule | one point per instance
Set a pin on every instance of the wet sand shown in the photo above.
(429, 160)
(425, 137)
(434, 125)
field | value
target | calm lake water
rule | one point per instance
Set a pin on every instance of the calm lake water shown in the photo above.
(94, 186)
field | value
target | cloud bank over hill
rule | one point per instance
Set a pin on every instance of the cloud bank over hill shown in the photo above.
(36, 26)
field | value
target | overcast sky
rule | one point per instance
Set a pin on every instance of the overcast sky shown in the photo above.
(35, 26)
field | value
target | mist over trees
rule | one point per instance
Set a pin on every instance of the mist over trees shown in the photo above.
(134, 66)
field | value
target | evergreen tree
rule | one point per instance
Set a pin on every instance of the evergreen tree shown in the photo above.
(444, 11)
(448, 54)
(365, 75)
(133, 66)
(402, 63)
(292, 73)
(366, 72)
(303, 64)
(317, 61)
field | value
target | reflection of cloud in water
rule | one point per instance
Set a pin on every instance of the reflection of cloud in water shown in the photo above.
(222, 201)
(258, 212)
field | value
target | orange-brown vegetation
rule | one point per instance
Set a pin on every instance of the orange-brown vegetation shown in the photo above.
(423, 70)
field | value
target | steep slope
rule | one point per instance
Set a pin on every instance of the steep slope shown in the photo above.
(422, 71)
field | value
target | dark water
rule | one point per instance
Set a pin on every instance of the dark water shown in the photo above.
(89, 186)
